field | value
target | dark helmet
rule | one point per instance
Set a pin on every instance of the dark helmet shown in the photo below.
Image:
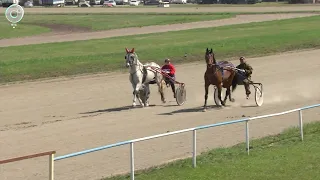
(167, 60)
(242, 58)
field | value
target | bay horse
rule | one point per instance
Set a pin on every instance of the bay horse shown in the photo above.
(141, 76)
(219, 74)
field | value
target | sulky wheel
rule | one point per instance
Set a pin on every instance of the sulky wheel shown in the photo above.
(181, 95)
(259, 95)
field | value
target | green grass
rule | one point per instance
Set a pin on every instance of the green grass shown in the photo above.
(282, 156)
(6, 30)
(30, 23)
(103, 55)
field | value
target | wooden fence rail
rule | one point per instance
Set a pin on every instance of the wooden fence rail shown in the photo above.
(49, 153)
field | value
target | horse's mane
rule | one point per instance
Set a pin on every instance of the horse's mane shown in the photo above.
(214, 59)
(136, 56)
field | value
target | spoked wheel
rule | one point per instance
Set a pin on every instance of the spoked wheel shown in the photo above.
(181, 95)
(259, 95)
(216, 97)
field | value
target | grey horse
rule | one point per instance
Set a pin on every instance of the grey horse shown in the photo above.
(141, 76)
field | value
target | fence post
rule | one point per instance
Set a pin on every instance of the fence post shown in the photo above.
(301, 124)
(194, 159)
(247, 137)
(132, 160)
(51, 166)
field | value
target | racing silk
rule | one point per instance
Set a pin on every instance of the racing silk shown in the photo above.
(169, 68)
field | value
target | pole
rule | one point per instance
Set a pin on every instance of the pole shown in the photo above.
(51, 166)
(194, 158)
(301, 124)
(132, 160)
(247, 137)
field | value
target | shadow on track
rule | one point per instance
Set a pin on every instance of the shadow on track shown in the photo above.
(195, 109)
(116, 109)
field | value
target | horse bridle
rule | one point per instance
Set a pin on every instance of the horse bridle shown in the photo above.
(211, 64)
(131, 58)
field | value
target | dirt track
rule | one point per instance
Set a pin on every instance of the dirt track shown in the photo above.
(79, 113)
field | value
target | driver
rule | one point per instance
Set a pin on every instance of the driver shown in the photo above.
(170, 70)
(247, 72)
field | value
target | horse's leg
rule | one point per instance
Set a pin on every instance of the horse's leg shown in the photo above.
(227, 94)
(230, 98)
(134, 93)
(134, 98)
(162, 86)
(206, 89)
(219, 86)
(137, 95)
(147, 93)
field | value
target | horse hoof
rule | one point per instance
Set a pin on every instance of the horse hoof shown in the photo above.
(204, 110)
(232, 100)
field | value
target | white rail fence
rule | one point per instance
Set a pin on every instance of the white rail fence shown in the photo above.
(194, 147)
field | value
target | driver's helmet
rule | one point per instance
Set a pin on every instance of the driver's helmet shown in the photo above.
(242, 58)
(167, 60)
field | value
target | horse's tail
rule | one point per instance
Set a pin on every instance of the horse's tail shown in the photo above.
(234, 82)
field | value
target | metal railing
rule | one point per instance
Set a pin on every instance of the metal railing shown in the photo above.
(194, 130)
(51, 160)
(131, 142)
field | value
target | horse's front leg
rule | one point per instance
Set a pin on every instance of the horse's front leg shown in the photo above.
(134, 98)
(138, 94)
(206, 89)
(219, 94)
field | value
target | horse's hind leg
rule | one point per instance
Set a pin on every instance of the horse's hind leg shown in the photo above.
(227, 95)
(230, 98)
(147, 94)
(162, 90)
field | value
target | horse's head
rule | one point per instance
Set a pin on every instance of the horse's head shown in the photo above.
(209, 57)
(131, 57)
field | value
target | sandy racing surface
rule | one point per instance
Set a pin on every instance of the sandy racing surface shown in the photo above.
(69, 115)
